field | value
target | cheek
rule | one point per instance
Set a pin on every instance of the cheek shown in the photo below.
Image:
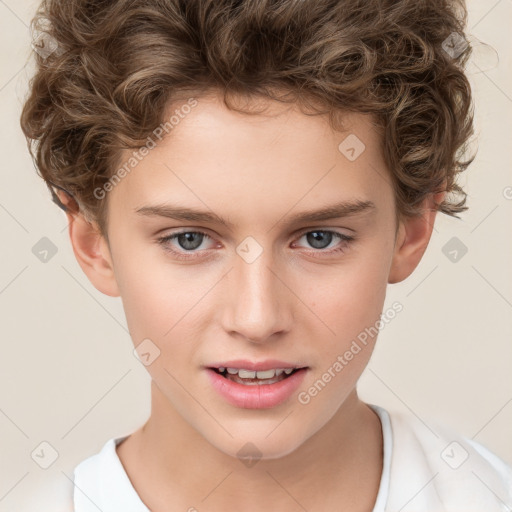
(352, 297)
(148, 309)
(165, 303)
(156, 294)
(351, 305)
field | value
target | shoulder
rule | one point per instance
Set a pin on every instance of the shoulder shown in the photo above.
(102, 483)
(436, 468)
(88, 476)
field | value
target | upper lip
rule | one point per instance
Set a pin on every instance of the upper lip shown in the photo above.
(268, 364)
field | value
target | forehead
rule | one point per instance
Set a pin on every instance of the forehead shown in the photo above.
(260, 163)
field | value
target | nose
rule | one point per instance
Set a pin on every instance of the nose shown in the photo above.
(257, 304)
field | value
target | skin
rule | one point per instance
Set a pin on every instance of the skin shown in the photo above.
(295, 302)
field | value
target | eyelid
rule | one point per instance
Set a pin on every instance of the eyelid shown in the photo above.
(294, 235)
(343, 239)
(174, 234)
(303, 231)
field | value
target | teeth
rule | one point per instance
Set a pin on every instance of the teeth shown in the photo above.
(246, 374)
(267, 374)
(251, 374)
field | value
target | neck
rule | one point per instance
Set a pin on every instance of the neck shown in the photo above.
(170, 462)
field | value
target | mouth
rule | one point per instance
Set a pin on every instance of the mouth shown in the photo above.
(255, 377)
(256, 385)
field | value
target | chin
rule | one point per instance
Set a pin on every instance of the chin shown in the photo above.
(258, 444)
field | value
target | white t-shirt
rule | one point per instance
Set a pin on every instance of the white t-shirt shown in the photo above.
(424, 470)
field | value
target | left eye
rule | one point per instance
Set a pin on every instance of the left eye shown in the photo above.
(320, 239)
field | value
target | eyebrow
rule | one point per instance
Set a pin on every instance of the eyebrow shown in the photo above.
(334, 211)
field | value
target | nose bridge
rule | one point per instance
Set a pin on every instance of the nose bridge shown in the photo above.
(256, 303)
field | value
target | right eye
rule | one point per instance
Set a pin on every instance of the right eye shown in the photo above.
(188, 242)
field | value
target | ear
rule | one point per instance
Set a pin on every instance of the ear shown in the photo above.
(91, 250)
(412, 239)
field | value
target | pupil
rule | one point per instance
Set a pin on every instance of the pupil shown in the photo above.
(315, 239)
(186, 240)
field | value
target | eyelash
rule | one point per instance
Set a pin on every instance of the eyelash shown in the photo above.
(345, 239)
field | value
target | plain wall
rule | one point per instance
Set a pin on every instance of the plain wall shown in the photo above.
(68, 374)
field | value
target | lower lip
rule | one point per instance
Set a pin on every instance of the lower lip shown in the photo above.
(260, 396)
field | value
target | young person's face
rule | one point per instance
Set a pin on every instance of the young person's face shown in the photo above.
(266, 287)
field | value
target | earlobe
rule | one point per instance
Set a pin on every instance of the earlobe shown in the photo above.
(93, 254)
(412, 240)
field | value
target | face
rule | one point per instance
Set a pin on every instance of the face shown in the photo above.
(265, 289)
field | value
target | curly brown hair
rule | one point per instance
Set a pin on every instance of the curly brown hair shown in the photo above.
(118, 64)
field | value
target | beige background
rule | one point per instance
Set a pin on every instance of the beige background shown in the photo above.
(68, 374)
